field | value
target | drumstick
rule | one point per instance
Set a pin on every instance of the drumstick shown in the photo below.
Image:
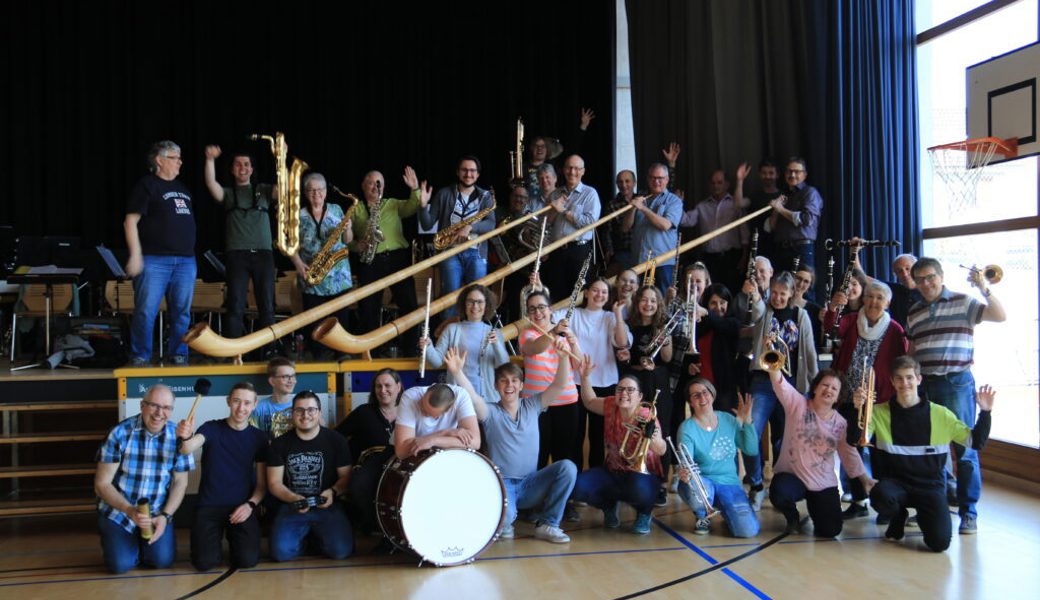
(546, 333)
(201, 389)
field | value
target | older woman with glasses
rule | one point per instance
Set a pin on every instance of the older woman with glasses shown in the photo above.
(558, 425)
(627, 426)
(481, 343)
(318, 220)
(712, 438)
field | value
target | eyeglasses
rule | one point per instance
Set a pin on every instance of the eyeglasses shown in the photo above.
(284, 377)
(172, 157)
(160, 407)
(796, 170)
(926, 278)
(572, 168)
(309, 410)
(537, 307)
(657, 178)
(314, 190)
(475, 302)
(697, 395)
(626, 389)
(461, 170)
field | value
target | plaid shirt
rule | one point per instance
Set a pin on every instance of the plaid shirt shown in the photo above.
(146, 465)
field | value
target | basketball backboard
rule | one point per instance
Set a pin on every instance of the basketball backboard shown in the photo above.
(1002, 99)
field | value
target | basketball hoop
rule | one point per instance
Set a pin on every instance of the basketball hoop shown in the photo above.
(960, 165)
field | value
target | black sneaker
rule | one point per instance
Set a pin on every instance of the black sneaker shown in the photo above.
(896, 528)
(662, 497)
(854, 511)
(793, 523)
(883, 520)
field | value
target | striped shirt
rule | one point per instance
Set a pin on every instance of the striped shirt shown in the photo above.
(540, 369)
(942, 332)
(147, 463)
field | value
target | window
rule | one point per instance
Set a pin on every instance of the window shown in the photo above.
(1007, 355)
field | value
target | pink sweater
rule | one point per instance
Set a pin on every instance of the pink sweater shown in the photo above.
(810, 442)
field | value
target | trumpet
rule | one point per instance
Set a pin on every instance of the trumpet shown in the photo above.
(687, 463)
(774, 356)
(651, 350)
(991, 273)
(639, 432)
(866, 411)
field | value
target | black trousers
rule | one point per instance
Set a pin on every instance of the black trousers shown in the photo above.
(209, 529)
(824, 506)
(402, 292)
(361, 490)
(243, 265)
(558, 430)
(933, 515)
(561, 269)
(724, 268)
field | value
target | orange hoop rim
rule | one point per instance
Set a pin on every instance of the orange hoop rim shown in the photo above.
(1008, 148)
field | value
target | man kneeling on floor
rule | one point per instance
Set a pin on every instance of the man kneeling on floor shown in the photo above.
(911, 439)
(140, 482)
(511, 427)
(307, 469)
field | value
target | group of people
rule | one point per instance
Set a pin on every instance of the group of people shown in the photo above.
(621, 365)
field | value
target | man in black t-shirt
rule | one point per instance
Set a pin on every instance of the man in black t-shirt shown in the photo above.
(160, 235)
(307, 469)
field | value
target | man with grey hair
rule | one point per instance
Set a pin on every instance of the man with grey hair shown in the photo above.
(577, 207)
(140, 482)
(654, 223)
(904, 290)
(160, 236)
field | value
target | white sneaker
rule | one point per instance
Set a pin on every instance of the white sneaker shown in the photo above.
(507, 533)
(552, 534)
(757, 497)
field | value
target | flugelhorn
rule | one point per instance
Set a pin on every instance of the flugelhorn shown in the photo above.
(687, 463)
(991, 273)
(639, 432)
(866, 411)
(287, 187)
(774, 354)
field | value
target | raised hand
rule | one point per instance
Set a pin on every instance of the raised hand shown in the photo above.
(587, 115)
(745, 402)
(212, 152)
(985, 396)
(671, 153)
(743, 169)
(425, 191)
(454, 360)
(410, 178)
(587, 366)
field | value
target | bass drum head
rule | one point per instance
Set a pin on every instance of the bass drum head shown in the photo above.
(452, 507)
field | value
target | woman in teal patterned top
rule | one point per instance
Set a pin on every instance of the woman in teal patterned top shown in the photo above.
(317, 220)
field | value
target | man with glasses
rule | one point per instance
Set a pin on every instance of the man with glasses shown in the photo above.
(726, 254)
(795, 219)
(140, 482)
(233, 482)
(452, 205)
(307, 469)
(273, 414)
(160, 236)
(655, 224)
(572, 210)
(941, 331)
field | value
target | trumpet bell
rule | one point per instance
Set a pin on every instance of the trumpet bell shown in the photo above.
(993, 274)
(771, 360)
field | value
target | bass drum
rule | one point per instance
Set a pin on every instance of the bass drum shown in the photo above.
(446, 506)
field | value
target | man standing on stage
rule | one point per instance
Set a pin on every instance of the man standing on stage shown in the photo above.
(247, 240)
(140, 482)
(307, 469)
(726, 254)
(233, 483)
(654, 224)
(795, 219)
(160, 235)
(577, 207)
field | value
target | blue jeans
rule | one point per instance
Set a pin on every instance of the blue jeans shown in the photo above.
(330, 525)
(465, 267)
(956, 391)
(174, 278)
(730, 499)
(603, 489)
(547, 489)
(123, 550)
(765, 403)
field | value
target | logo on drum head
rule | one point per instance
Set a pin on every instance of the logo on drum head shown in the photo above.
(451, 552)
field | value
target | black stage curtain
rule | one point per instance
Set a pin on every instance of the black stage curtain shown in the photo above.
(833, 82)
(89, 86)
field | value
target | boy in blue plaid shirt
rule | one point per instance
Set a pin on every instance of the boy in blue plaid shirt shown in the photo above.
(139, 460)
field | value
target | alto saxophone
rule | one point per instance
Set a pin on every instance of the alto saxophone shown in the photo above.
(325, 259)
(287, 186)
(373, 234)
(446, 237)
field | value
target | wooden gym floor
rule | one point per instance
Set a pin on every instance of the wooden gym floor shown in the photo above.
(59, 557)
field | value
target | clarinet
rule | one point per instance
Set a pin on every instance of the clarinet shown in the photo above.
(751, 273)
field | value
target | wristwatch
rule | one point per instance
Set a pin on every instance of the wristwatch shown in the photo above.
(169, 517)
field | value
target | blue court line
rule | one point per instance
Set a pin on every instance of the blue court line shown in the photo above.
(757, 592)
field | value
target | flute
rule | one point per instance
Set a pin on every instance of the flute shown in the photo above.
(425, 331)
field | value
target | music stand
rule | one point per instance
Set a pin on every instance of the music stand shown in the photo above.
(49, 276)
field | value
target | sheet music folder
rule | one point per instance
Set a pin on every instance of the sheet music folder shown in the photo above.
(113, 265)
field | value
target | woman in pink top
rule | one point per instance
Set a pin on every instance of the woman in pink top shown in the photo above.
(558, 425)
(813, 432)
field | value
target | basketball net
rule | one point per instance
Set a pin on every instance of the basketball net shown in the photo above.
(961, 165)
